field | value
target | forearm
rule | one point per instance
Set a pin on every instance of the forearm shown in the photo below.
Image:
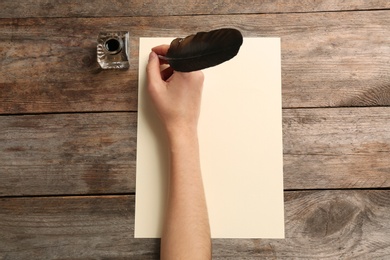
(186, 232)
(177, 98)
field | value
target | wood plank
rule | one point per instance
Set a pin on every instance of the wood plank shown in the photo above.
(328, 59)
(68, 154)
(319, 224)
(336, 148)
(100, 8)
(96, 153)
(70, 228)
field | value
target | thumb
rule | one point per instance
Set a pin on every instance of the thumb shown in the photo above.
(153, 70)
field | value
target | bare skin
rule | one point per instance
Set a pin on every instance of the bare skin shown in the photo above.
(177, 98)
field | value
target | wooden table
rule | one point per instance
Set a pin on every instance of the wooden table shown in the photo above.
(68, 129)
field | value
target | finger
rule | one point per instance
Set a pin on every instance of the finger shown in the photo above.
(166, 73)
(153, 70)
(161, 49)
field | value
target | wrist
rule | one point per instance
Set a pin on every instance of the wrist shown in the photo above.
(179, 136)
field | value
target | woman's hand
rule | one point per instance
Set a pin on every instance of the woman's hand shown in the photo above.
(176, 95)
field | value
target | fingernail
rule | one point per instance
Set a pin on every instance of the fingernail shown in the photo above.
(152, 55)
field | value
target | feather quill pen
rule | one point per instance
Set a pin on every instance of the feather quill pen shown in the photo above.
(203, 50)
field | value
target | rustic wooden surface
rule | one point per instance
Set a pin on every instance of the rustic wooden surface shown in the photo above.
(68, 129)
(329, 224)
(101, 8)
(328, 59)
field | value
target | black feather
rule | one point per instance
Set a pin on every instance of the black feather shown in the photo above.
(203, 50)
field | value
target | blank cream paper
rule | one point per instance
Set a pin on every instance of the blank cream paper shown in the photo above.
(240, 135)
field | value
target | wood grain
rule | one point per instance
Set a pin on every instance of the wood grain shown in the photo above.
(322, 225)
(328, 59)
(68, 154)
(336, 148)
(319, 224)
(336, 121)
(100, 8)
(71, 228)
(95, 153)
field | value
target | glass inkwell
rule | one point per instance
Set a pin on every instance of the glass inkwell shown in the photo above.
(112, 50)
